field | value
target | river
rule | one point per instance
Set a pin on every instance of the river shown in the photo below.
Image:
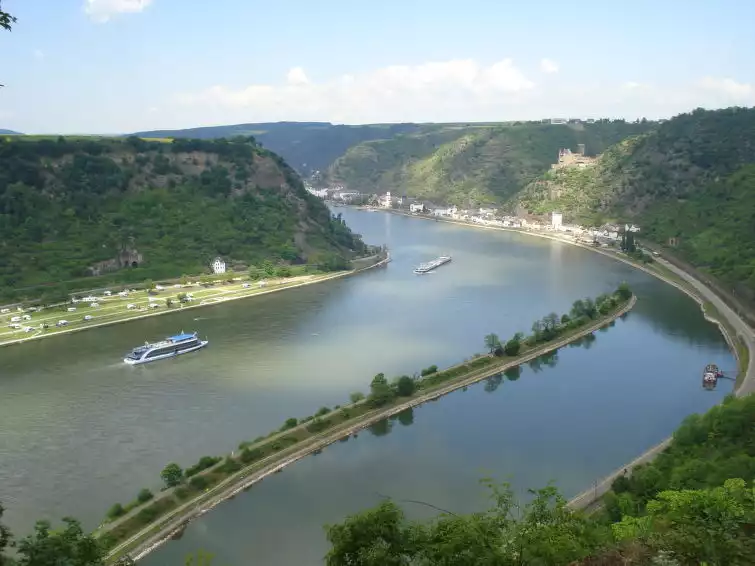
(80, 431)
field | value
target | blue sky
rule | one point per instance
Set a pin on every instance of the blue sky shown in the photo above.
(109, 66)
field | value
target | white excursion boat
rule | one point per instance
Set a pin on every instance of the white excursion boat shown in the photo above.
(168, 348)
(430, 265)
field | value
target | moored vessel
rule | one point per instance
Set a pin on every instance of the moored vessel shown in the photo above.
(170, 347)
(711, 373)
(430, 265)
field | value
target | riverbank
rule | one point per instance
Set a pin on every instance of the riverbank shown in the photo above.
(733, 332)
(738, 334)
(344, 421)
(236, 292)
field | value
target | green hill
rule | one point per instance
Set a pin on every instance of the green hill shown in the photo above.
(86, 211)
(690, 183)
(462, 164)
(307, 146)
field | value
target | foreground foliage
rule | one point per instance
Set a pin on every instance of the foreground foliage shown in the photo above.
(128, 210)
(67, 546)
(658, 519)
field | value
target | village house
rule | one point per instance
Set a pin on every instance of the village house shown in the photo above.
(218, 266)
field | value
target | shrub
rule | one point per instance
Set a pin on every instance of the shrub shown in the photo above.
(290, 423)
(204, 463)
(230, 465)
(144, 495)
(406, 385)
(429, 370)
(512, 347)
(116, 511)
(322, 411)
(356, 397)
(198, 482)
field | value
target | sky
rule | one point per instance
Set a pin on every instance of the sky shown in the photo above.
(119, 66)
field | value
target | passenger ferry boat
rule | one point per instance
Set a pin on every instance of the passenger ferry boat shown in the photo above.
(430, 265)
(168, 348)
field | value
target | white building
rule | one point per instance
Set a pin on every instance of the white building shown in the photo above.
(557, 220)
(386, 200)
(417, 207)
(218, 266)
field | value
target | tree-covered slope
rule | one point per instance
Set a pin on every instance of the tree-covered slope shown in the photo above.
(692, 180)
(130, 210)
(470, 163)
(306, 146)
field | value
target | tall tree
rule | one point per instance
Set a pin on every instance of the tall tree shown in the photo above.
(492, 342)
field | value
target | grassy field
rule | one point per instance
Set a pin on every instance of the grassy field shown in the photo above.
(114, 308)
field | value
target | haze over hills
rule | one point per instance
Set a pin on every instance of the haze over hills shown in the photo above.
(307, 146)
(128, 210)
(9, 132)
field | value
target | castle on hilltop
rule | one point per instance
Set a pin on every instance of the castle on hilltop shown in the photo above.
(566, 158)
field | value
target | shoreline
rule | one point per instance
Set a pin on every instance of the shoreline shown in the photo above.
(177, 520)
(282, 287)
(701, 291)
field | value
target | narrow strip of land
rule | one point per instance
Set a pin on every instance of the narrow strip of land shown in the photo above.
(151, 536)
(732, 326)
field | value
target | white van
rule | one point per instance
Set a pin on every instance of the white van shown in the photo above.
(131, 306)
(15, 319)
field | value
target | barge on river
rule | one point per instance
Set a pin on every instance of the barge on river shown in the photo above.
(711, 373)
(169, 348)
(430, 265)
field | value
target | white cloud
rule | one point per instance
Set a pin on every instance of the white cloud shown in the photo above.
(297, 76)
(399, 92)
(102, 10)
(39, 54)
(730, 89)
(548, 66)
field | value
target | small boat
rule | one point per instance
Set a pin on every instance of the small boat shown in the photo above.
(429, 266)
(169, 348)
(711, 373)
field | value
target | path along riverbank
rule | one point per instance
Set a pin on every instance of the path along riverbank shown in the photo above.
(307, 280)
(732, 326)
(153, 535)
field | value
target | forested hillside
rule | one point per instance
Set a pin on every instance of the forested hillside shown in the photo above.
(306, 146)
(690, 183)
(463, 164)
(73, 212)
